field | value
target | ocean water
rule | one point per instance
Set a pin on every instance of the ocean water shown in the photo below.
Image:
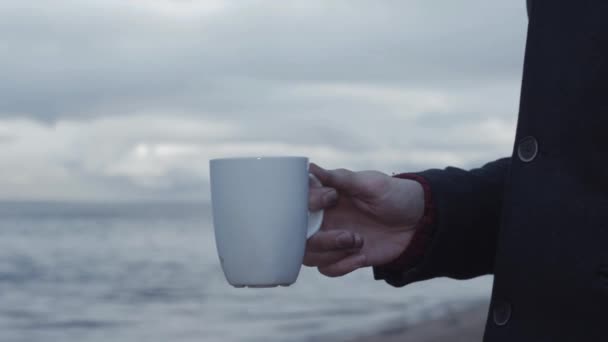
(149, 272)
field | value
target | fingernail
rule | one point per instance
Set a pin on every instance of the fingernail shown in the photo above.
(344, 240)
(330, 197)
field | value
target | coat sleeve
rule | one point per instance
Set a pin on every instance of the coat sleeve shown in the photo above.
(467, 217)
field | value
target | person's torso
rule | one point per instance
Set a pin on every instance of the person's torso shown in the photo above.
(551, 271)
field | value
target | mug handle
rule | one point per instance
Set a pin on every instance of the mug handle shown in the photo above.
(315, 218)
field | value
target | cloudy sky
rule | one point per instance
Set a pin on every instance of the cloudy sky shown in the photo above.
(129, 99)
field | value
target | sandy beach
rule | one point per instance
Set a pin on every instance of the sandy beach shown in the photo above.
(461, 326)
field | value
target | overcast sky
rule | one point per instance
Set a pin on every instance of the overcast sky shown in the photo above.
(129, 99)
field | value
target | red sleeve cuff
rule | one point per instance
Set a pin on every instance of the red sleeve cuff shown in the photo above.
(415, 252)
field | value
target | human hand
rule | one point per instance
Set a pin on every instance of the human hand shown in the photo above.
(369, 219)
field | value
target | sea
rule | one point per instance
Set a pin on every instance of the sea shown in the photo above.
(128, 272)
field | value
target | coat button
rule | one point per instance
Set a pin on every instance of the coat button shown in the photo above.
(501, 312)
(527, 149)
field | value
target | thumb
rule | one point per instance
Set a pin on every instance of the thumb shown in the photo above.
(342, 180)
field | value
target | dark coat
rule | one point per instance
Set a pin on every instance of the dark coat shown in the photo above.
(538, 220)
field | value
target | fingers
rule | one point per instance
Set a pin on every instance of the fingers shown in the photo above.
(341, 179)
(344, 266)
(333, 240)
(321, 198)
(335, 253)
(316, 259)
(314, 182)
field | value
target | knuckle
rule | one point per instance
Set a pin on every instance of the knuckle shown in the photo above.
(319, 242)
(317, 197)
(315, 191)
(342, 172)
(325, 242)
(328, 245)
(314, 204)
(314, 240)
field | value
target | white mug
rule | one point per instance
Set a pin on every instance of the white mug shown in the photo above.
(261, 218)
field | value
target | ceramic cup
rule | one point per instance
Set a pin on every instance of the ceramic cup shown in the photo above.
(261, 218)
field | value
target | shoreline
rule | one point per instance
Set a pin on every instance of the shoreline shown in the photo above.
(466, 325)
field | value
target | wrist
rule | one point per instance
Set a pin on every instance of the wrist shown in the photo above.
(412, 201)
(422, 234)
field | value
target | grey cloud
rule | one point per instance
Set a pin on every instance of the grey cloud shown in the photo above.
(475, 147)
(6, 138)
(180, 185)
(304, 132)
(435, 120)
(117, 157)
(389, 85)
(93, 59)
